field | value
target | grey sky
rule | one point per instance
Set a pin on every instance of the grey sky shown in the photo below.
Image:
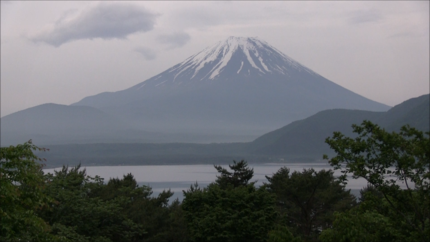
(365, 17)
(147, 53)
(174, 40)
(61, 52)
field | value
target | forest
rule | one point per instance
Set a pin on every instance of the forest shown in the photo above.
(306, 206)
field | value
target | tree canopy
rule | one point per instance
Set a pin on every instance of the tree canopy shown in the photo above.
(240, 176)
(397, 166)
(307, 200)
(230, 209)
(22, 194)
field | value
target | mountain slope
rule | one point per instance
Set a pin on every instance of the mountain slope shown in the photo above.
(307, 137)
(52, 123)
(240, 85)
(414, 112)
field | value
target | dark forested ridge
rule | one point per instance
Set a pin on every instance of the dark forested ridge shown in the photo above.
(300, 140)
(306, 136)
(414, 111)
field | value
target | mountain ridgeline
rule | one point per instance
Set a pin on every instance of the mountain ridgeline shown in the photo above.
(307, 136)
(302, 140)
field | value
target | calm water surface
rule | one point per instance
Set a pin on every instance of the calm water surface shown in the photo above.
(179, 177)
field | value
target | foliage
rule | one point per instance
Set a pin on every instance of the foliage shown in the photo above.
(282, 234)
(225, 211)
(307, 200)
(87, 209)
(69, 205)
(240, 176)
(161, 221)
(356, 226)
(386, 160)
(175, 225)
(22, 195)
(370, 221)
(75, 213)
(369, 192)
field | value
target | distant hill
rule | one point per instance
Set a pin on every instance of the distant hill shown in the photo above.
(53, 123)
(302, 140)
(307, 137)
(414, 112)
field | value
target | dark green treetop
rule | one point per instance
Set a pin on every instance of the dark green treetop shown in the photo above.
(240, 176)
(307, 200)
(22, 195)
(229, 209)
(388, 160)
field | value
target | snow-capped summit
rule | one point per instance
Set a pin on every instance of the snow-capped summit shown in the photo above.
(254, 50)
(233, 58)
(240, 85)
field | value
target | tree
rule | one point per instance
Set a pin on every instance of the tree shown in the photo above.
(369, 221)
(282, 234)
(359, 225)
(230, 209)
(386, 159)
(21, 195)
(307, 200)
(160, 220)
(240, 176)
(77, 215)
(70, 206)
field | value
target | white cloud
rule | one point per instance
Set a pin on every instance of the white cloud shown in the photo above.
(105, 21)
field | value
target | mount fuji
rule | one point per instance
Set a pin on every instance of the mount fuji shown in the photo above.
(240, 85)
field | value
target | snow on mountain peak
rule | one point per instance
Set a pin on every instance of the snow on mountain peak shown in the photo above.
(253, 48)
(250, 55)
(224, 50)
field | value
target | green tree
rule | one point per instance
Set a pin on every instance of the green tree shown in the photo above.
(240, 176)
(359, 225)
(386, 160)
(229, 209)
(70, 206)
(307, 200)
(282, 234)
(161, 221)
(77, 215)
(369, 221)
(21, 195)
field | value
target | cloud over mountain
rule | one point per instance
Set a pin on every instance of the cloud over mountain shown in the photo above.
(105, 21)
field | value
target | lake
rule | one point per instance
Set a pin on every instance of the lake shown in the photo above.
(179, 177)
